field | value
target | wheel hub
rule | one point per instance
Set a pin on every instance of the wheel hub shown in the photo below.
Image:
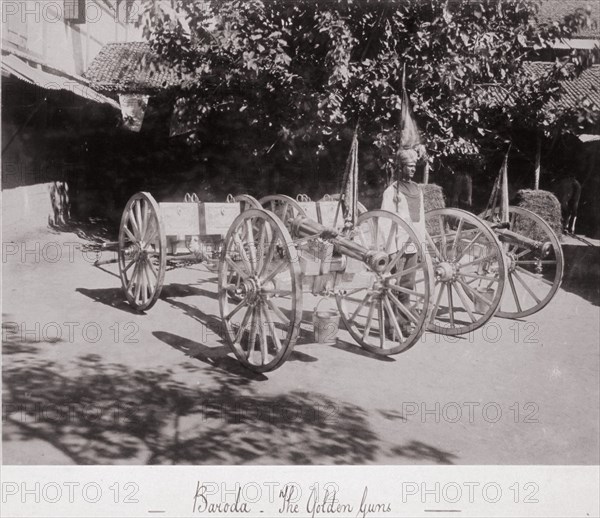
(446, 271)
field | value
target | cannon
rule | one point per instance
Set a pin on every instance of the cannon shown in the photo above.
(484, 267)
(269, 255)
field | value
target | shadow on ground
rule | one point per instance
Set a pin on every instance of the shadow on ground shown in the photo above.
(96, 412)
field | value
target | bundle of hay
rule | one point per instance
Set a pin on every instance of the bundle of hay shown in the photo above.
(545, 205)
(433, 198)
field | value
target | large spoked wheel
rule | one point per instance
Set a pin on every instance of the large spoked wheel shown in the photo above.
(262, 309)
(142, 251)
(469, 271)
(387, 309)
(535, 269)
(287, 209)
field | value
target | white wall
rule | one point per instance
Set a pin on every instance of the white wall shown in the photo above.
(39, 28)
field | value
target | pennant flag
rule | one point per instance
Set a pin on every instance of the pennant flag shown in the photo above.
(499, 198)
(349, 194)
(504, 190)
(409, 132)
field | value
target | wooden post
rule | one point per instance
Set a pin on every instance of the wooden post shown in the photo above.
(426, 173)
(538, 157)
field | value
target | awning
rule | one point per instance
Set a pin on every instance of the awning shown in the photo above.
(20, 69)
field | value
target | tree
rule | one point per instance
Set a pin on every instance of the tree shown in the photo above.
(282, 83)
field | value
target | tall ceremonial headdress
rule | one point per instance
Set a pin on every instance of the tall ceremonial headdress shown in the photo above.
(409, 132)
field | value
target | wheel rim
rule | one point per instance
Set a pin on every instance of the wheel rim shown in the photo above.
(142, 251)
(262, 310)
(247, 202)
(382, 314)
(534, 276)
(285, 208)
(469, 271)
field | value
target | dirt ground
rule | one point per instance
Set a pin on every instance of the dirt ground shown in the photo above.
(88, 381)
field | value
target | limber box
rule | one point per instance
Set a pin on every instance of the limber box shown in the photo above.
(198, 219)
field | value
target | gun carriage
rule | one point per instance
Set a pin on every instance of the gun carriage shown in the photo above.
(270, 255)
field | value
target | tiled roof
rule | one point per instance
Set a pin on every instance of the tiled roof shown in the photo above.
(573, 92)
(585, 86)
(129, 68)
(556, 10)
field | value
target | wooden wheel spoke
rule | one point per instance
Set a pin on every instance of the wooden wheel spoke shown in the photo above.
(468, 247)
(278, 313)
(433, 247)
(134, 224)
(533, 275)
(474, 293)
(463, 298)
(408, 271)
(132, 262)
(369, 320)
(242, 252)
(251, 245)
(481, 277)
(261, 248)
(390, 239)
(276, 293)
(152, 269)
(356, 290)
(243, 324)
(450, 305)
(251, 343)
(483, 259)
(524, 284)
(406, 291)
(264, 343)
(443, 237)
(133, 276)
(272, 328)
(150, 234)
(131, 237)
(524, 252)
(437, 302)
(242, 274)
(232, 313)
(138, 283)
(269, 257)
(393, 319)
(380, 312)
(457, 237)
(514, 292)
(405, 311)
(137, 205)
(359, 307)
(276, 271)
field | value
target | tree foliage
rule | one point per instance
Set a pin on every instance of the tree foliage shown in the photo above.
(293, 77)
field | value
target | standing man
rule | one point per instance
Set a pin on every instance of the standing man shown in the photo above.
(404, 197)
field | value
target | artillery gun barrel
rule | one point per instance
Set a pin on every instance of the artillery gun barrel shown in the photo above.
(508, 236)
(304, 227)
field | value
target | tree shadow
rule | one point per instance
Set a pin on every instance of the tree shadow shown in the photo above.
(207, 412)
(109, 413)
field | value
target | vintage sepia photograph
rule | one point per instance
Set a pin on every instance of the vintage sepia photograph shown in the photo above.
(301, 233)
